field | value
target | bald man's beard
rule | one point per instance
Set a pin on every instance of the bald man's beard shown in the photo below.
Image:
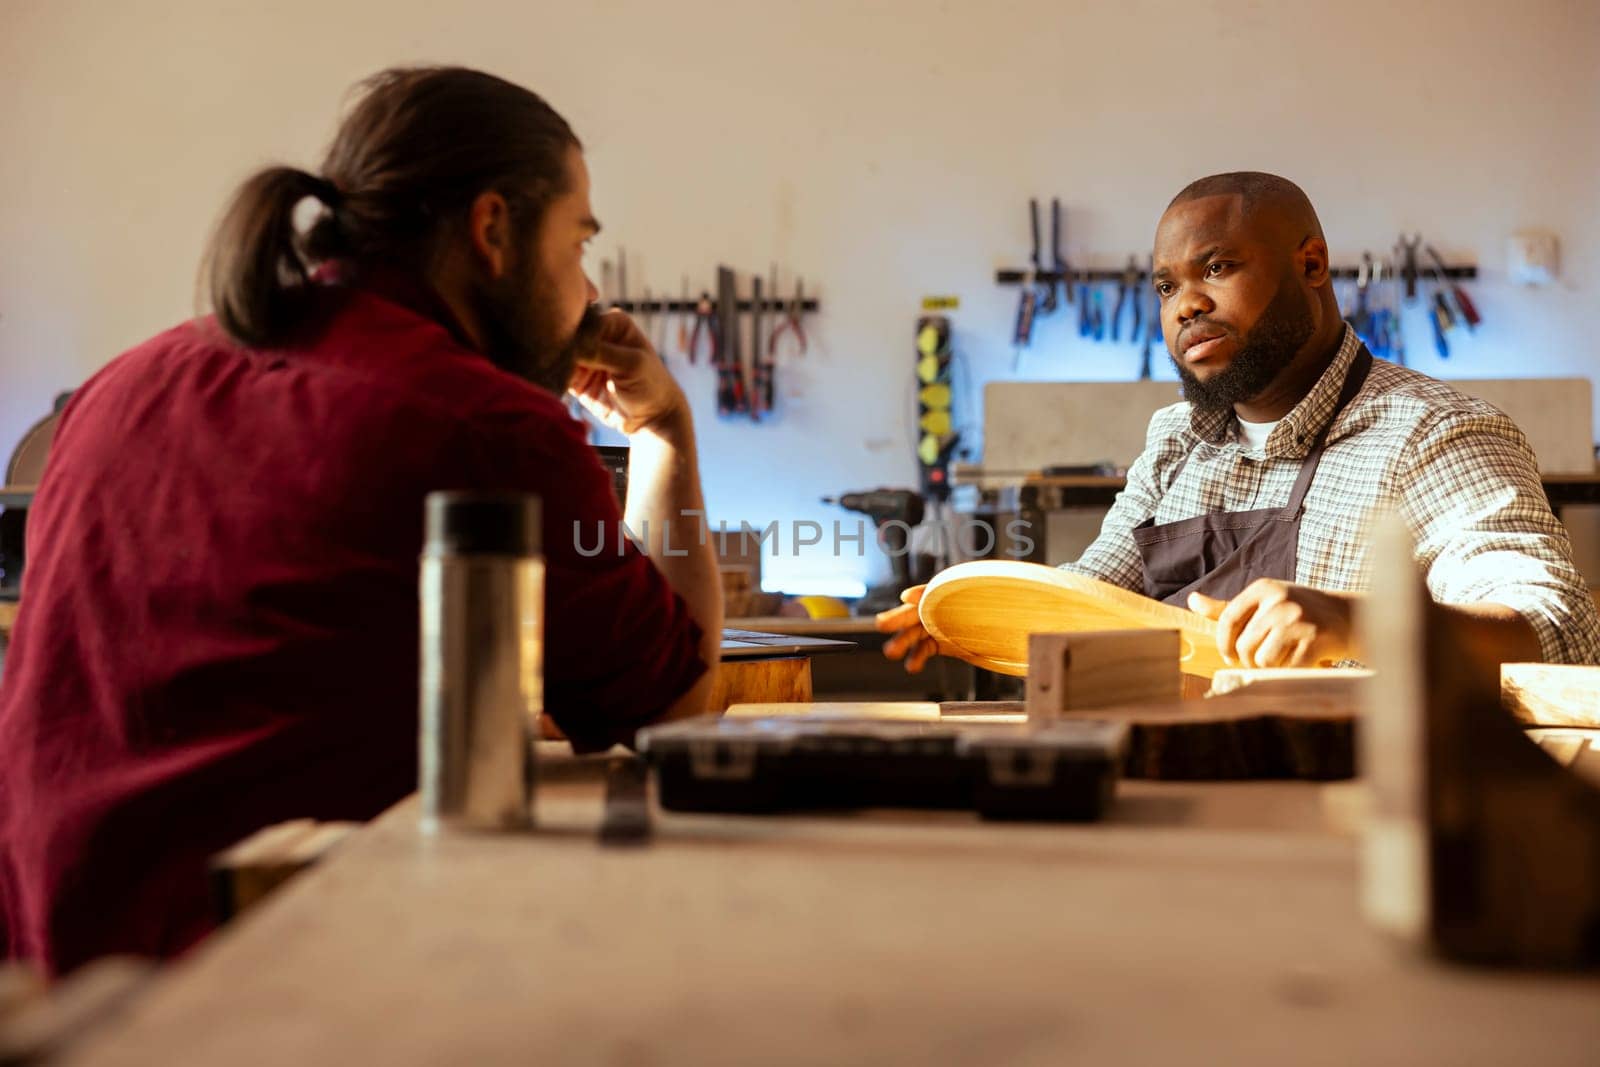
(1271, 345)
(526, 336)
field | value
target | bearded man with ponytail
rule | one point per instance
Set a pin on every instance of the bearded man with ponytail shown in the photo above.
(218, 627)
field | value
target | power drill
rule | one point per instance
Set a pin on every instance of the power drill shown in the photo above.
(883, 506)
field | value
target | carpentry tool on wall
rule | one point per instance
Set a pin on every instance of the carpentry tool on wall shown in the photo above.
(760, 362)
(1408, 263)
(1047, 289)
(1034, 291)
(705, 319)
(790, 322)
(685, 316)
(1441, 317)
(1058, 262)
(607, 293)
(1127, 293)
(1360, 318)
(732, 398)
(1464, 305)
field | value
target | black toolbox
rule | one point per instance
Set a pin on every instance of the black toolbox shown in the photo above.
(1062, 770)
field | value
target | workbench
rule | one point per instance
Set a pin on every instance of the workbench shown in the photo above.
(1206, 923)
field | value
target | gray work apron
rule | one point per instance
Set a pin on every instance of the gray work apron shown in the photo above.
(1221, 553)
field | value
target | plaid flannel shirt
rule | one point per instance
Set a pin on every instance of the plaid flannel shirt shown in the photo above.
(1457, 469)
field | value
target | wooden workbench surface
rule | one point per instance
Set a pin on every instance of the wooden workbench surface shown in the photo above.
(1208, 924)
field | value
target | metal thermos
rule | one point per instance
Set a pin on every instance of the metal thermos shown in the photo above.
(482, 689)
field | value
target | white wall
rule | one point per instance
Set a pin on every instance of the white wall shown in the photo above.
(884, 150)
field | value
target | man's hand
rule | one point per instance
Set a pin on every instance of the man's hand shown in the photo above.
(1278, 624)
(623, 382)
(910, 640)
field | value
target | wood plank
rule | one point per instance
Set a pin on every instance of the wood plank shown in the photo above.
(1544, 694)
(1221, 914)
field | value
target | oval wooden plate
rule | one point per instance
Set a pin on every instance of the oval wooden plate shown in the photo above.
(984, 611)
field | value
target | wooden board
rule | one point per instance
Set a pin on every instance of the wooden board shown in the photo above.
(780, 680)
(983, 612)
(1544, 694)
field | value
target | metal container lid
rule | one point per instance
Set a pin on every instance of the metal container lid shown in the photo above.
(482, 523)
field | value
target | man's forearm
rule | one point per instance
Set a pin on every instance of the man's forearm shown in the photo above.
(1495, 633)
(666, 511)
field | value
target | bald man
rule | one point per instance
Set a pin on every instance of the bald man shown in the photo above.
(1251, 499)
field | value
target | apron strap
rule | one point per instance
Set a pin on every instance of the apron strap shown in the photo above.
(1354, 379)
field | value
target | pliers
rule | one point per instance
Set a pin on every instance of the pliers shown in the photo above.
(705, 318)
(791, 318)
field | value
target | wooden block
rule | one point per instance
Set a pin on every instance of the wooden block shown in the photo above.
(781, 680)
(1544, 694)
(1480, 846)
(1075, 671)
(251, 870)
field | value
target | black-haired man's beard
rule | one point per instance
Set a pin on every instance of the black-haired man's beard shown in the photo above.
(1271, 345)
(525, 336)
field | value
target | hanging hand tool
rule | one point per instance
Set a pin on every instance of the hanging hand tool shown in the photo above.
(1442, 319)
(1361, 319)
(1058, 262)
(705, 318)
(1047, 289)
(791, 318)
(1127, 293)
(1464, 304)
(684, 317)
(1022, 331)
(622, 276)
(1408, 264)
(761, 364)
(1378, 316)
(1085, 311)
(606, 292)
(732, 398)
(1099, 319)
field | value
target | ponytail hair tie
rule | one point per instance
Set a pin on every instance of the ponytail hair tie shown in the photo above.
(326, 191)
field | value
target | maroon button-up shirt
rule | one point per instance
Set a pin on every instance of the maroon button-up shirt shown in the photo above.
(219, 617)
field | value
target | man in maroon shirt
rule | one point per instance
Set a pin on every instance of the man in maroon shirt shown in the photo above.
(218, 626)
